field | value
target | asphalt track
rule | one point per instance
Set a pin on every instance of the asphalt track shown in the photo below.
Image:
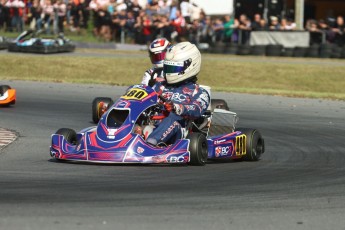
(298, 184)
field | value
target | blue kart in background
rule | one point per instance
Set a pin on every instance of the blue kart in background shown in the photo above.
(30, 42)
(120, 135)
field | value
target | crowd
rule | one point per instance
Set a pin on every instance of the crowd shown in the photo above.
(141, 21)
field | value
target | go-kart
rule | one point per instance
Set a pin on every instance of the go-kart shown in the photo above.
(7, 95)
(3, 43)
(30, 42)
(122, 130)
(101, 104)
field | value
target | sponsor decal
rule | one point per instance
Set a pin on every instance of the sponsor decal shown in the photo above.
(177, 159)
(219, 141)
(111, 133)
(140, 150)
(179, 97)
(222, 151)
(166, 133)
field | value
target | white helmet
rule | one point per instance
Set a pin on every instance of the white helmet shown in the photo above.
(157, 51)
(182, 61)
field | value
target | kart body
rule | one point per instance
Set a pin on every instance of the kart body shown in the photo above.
(114, 139)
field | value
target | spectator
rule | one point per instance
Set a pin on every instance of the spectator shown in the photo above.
(186, 10)
(179, 25)
(218, 28)
(207, 31)
(16, 9)
(256, 23)
(339, 30)
(244, 29)
(262, 25)
(60, 8)
(135, 8)
(290, 24)
(48, 13)
(173, 10)
(229, 25)
(274, 23)
(163, 8)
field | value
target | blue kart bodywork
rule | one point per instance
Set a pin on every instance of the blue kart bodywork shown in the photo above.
(114, 140)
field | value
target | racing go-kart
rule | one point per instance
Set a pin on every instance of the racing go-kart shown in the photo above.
(120, 136)
(7, 95)
(30, 42)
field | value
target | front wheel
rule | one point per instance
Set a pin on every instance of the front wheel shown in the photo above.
(99, 106)
(198, 149)
(69, 134)
(255, 144)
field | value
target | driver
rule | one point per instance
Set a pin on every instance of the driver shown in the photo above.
(185, 98)
(157, 51)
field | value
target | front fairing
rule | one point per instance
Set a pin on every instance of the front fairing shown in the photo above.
(111, 128)
(132, 149)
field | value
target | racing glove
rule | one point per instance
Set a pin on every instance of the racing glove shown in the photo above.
(172, 107)
(169, 106)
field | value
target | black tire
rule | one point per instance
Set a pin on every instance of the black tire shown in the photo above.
(69, 134)
(243, 50)
(300, 52)
(313, 51)
(96, 115)
(3, 89)
(198, 149)
(231, 49)
(287, 52)
(259, 50)
(274, 50)
(255, 144)
(219, 104)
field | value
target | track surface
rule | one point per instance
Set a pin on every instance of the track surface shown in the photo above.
(298, 184)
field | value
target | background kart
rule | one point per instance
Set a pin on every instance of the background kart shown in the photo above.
(7, 95)
(30, 42)
(3, 43)
(120, 136)
(101, 104)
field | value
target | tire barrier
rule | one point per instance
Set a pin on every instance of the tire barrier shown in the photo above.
(300, 52)
(313, 51)
(258, 50)
(243, 50)
(287, 52)
(274, 50)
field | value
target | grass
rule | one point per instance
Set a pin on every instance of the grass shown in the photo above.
(313, 78)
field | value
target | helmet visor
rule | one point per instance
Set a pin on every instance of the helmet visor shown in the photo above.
(173, 69)
(157, 57)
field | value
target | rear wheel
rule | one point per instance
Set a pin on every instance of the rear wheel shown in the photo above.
(99, 106)
(69, 134)
(219, 104)
(255, 145)
(198, 149)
